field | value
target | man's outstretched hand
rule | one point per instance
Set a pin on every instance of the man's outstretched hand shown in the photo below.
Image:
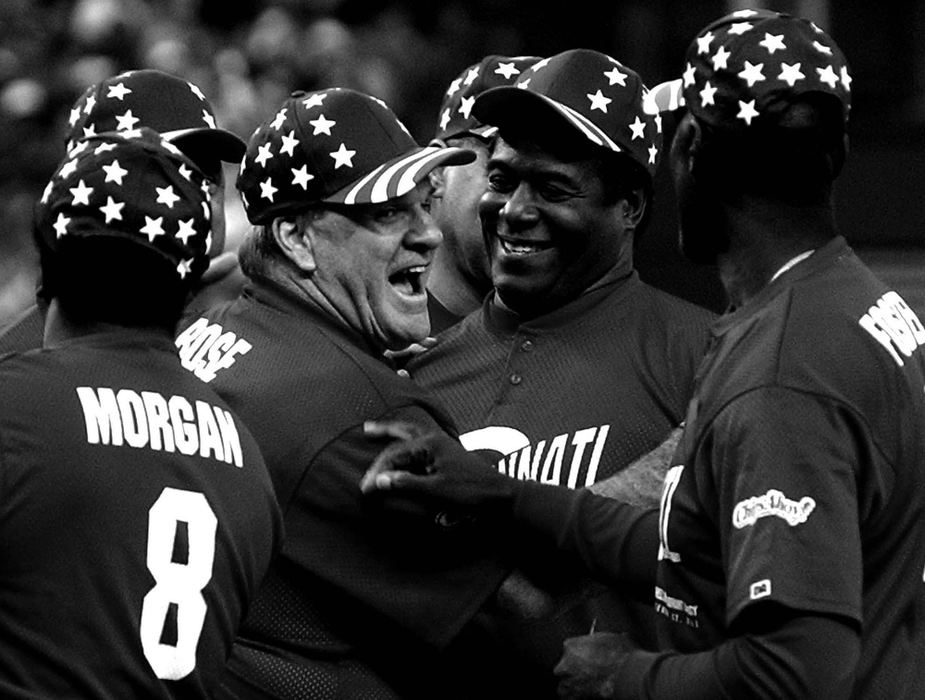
(436, 466)
(590, 665)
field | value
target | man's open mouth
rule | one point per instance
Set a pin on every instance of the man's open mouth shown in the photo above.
(409, 281)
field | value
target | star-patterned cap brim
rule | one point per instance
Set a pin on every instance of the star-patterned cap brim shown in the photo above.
(135, 186)
(455, 117)
(589, 93)
(336, 145)
(399, 176)
(172, 106)
(748, 61)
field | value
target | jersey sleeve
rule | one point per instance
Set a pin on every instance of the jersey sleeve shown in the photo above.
(396, 563)
(786, 480)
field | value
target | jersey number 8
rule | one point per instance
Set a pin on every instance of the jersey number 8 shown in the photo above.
(177, 584)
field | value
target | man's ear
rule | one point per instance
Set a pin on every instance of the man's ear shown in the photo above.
(294, 242)
(634, 208)
(687, 142)
(437, 175)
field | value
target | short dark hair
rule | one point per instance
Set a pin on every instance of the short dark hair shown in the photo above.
(113, 280)
(792, 154)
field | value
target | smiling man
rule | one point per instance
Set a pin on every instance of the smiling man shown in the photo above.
(573, 367)
(362, 600)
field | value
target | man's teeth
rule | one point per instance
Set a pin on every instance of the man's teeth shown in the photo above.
(520, 248)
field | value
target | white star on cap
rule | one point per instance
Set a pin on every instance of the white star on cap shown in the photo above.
(185, 231)
(822, 48)
(279, 119)
(78, 149)
(599, 101)
(471, 76)
(46, 193)
(127, 121)
(209, 241)
(184, 268)
(653, 152)
(720, 58)
(703, 42)
(747, 111)
(81, 193)
(444, 118)
(152, 228)
(196, 91)
(60, 224)
(845, 78)
(816, 28)
(314, 100)
(454, 86)
(104, 148)
(465, 106)
(638, 128)
(89, 130)
(321, 125)
(112, 209)
(508, 70)
(206, 211)
(267, 190)
(263, 154)
(68, 169)
(790, 74)
(166, 195)
(752, 73)
(115, 172)
(185, 172)
(706, 95)
(524, 84)
(827, 75)
(615, 76)
(289, 144)
(91, 103)
(74, 116)
(342, 156)
(135, 134)
(658, 123)
(301, 177)
(208, 119)
(740, 27)
(688, 76)
(744, 13)
(542, 63)
(773, 42)
(118, 91)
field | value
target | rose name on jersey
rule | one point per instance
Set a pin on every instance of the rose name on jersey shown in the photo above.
(148, 419)
(894, 325)
(205, 348)
(569, 459)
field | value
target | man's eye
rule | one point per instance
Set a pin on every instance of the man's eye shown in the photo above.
(497, 182)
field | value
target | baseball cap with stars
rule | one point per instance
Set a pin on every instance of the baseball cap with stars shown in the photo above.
(455, 117)
(589, 93)
(132, 185)
(750, 61)
(172, 106)
(338, 146)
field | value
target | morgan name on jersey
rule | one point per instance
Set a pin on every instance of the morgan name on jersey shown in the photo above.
(148, 419)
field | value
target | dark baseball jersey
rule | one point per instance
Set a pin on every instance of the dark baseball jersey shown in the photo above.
(137, 519)
(800, 479)
(363, 595)
(569, 399)
(24, 331)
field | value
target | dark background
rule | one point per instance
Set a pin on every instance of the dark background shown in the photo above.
(248, 56)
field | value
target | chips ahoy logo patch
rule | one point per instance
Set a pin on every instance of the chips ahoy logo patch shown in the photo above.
(774, 503)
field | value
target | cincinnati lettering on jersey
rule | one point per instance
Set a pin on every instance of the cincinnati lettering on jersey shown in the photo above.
(147, 419)
(676, 609)
(569, 459)
(894, 325)
(205, 348)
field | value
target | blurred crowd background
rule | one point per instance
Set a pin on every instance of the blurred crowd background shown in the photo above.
(248, 56)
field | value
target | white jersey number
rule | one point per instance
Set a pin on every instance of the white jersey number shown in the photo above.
(177, 584)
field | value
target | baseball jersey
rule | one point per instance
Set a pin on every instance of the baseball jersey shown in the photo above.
(570, 398)
(364, 594)
(24, 331)
(800, 479)
(137, 519)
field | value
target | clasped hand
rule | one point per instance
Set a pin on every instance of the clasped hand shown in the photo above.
(434, 465)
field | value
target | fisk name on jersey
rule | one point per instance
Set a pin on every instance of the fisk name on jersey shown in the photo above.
(894, 325)
(205, 348)
(569, 459)
(148, 419)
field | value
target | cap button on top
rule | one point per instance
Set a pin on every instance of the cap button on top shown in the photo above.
(527, 345)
